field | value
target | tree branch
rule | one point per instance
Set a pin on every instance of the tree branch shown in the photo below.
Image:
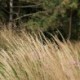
(26, 6)
(25, 15)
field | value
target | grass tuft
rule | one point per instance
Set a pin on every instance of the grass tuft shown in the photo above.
(26, 58)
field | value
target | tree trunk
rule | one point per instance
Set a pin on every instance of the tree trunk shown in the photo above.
(70, 25)
(11, 13)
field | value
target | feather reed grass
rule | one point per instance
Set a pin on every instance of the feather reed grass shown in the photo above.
(26, 58)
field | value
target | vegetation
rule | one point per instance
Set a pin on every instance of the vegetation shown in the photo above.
(39, 39)
(24, 57)
(47, 15)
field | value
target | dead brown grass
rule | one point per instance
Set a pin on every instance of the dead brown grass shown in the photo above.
(26, 58)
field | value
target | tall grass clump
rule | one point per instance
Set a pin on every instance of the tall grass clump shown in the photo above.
(24, 57)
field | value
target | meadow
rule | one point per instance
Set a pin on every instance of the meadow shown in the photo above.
(24, 57)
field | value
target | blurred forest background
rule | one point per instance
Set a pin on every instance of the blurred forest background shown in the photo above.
(47, 15)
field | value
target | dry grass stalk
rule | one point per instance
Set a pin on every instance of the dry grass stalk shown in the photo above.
(26, 58)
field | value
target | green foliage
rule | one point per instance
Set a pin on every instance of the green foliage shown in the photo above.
(60, 14)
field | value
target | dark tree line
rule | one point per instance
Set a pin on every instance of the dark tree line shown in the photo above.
(47, 15)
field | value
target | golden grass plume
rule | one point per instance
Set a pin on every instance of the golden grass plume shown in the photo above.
(26, 58)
